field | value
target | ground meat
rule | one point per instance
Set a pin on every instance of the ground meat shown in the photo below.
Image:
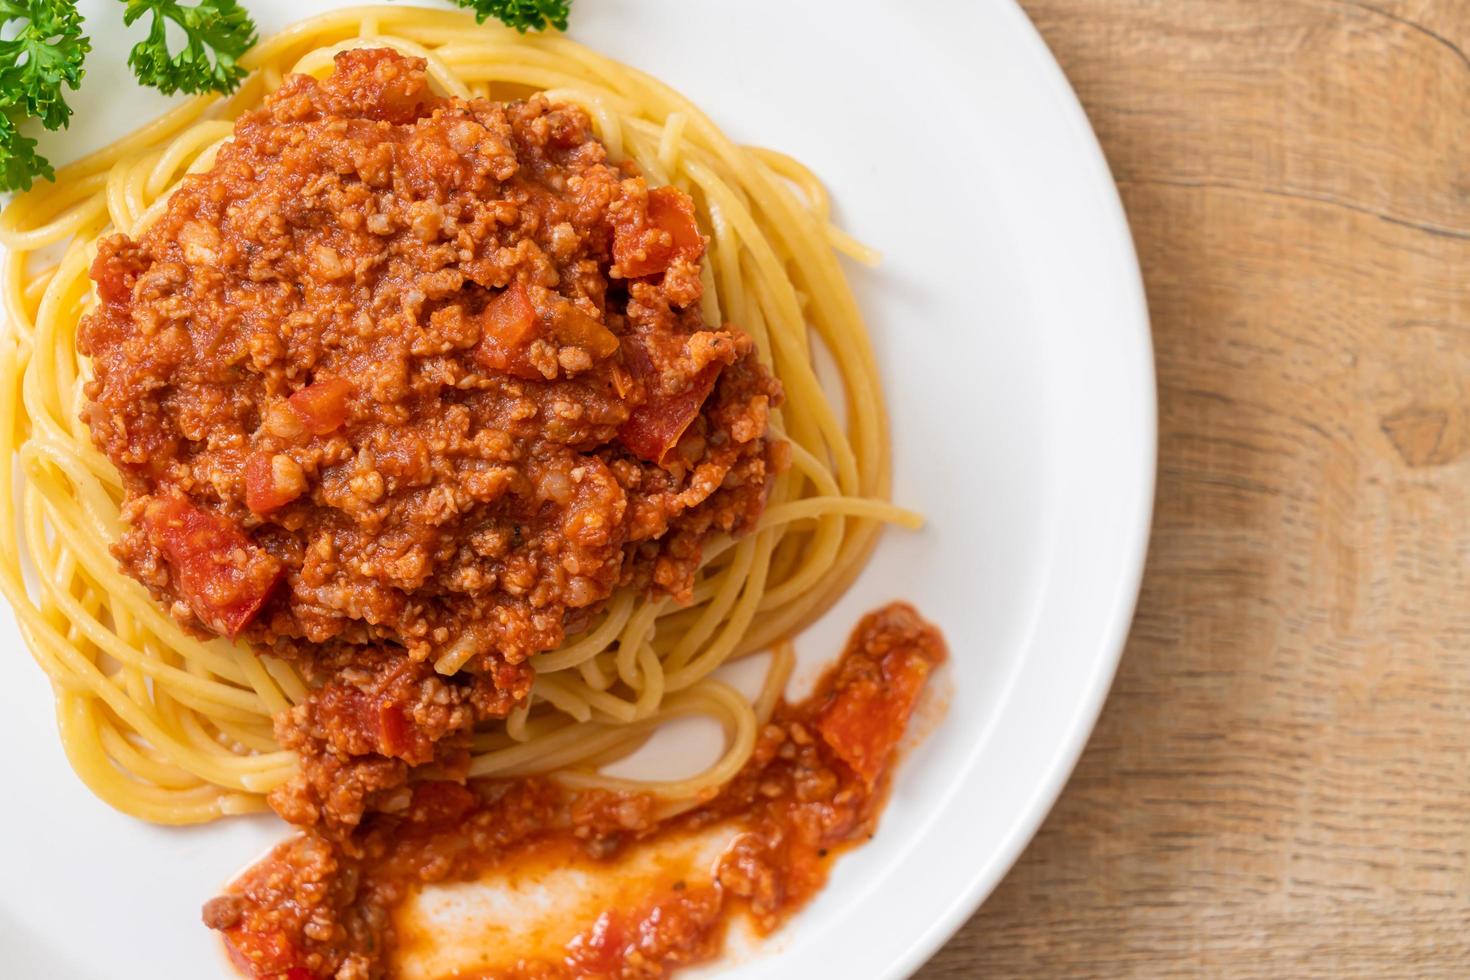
(361, 731)
(814, 785)
(404, 376)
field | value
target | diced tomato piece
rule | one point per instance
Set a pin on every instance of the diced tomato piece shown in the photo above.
(509, 319)
(322, 405)
(267, 490)
(654, 428)
(223, 576)
(637, 253)
(508, 324)
(576, 328)
(644, 244)
(395, 738)
(515, 363)
(671, 210)
(869, 711)
(266, 955)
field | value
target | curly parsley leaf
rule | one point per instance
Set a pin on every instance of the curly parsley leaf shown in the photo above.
(523, 15)
(216, 33)
(45, 54)
(19, 162)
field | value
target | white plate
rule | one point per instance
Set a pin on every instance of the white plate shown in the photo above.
(1013, 337)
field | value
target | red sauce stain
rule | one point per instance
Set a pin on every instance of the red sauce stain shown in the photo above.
(648, 895)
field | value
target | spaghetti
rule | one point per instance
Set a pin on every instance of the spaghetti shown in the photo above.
(174, 729)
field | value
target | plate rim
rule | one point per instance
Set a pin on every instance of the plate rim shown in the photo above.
(1113, 640)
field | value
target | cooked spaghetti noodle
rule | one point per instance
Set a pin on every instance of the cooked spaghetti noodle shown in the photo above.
(175, 729)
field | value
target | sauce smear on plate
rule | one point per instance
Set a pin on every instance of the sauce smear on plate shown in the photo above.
(320, 907)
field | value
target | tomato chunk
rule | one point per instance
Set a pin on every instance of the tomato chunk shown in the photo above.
(672, 211)
(654, 428)
(876, 686)
(266, 955)
(322, 405)
(271, 482)
(509, 319)
(508, 324)
(647, 242)
(223, 576)
(395, 737)
(576, 328)
(515, 363)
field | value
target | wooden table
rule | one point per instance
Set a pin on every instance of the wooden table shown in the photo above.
(1280, 783)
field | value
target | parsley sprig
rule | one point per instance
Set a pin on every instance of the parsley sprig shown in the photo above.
(523, 15)
(20, 164)
(43, 57)
(217, 33)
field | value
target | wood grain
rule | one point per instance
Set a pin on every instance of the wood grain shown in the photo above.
(1280, 783)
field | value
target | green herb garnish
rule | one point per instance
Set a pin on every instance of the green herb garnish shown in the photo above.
(43, 58)
(523, 15)
(216, 34)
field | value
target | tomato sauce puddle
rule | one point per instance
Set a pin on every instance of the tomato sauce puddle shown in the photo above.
(471, 881)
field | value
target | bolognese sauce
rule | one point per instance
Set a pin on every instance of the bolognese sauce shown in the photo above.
(403, 378)
(323, 907)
